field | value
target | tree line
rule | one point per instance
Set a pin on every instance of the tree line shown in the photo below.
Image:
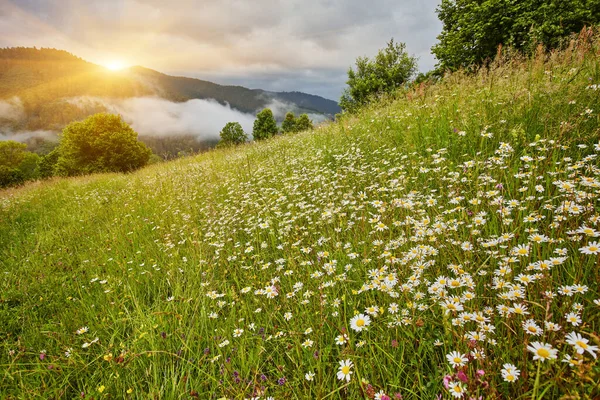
(265, 126)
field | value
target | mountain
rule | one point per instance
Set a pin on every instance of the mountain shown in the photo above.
(37, 82)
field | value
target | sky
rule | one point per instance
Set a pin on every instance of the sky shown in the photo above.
(285, 45)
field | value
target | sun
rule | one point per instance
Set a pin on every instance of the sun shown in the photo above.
(115, 65)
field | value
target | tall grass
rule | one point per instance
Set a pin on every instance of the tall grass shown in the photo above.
(236, 273)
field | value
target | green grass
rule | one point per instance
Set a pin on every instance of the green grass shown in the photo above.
(443, 182)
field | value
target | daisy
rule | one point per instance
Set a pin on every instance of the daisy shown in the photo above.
(456, 389)
(573, 318)
(532, 328)
(573, 362)
(341, 339)
(238, 332)
(345, 370)
(373, 311)
(588, 231)
(520, 309)
(591, 248)
(542, 351)
(510, 373)
(581, 344)
(360, 322)
(456, 359)
(309, 376)
(82, 330)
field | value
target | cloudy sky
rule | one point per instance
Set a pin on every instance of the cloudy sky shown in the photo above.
(284, 45)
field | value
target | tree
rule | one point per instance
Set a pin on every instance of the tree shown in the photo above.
(289, 123)
(10, 176)
(264, 125)
(12, 153)
(303, 123)
(232, 134)
(29, 166)
(16, 164)
(100, 143)
(390, 70)
(473, 29)
(47, 164)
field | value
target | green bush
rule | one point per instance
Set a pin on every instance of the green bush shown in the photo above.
(12, 153)
(264, 125)
(100, 143)
(289, 123)
(10, 176)
(391, 69)
(232, 134)
(47, 164)
(303, 123)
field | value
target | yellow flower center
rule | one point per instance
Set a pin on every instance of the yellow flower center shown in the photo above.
(531, 329)
(581, 344)
(345, 370)
(457, 360)
(457, 389)
(360, 322)
(544, 353)
(593, 248)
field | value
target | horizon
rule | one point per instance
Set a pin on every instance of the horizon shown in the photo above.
(289, 47)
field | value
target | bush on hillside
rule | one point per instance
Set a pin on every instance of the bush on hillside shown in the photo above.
(392, 68)
(100, 143)
(10, 176)
(265, 125)
(289, 123)
(303, 123)
(232, 134)
(12, 153)
(17, 165)
(47, 164)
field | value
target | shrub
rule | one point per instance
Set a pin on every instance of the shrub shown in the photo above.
(264, 125)
(232, 134)
(100, 143)
(391, 68)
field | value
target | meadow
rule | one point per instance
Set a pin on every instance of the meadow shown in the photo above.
(441, 244)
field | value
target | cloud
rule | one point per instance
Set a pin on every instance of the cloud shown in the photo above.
(231, 39)
(280, 108)
(156, 117)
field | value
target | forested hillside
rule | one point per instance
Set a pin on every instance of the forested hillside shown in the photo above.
(42, 80)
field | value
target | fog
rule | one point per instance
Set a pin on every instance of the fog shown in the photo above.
(22, 136)
(11, 110)
(153, 116)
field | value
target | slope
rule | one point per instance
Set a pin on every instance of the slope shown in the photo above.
(442, 241)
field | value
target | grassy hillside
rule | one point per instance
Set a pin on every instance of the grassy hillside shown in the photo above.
(460, 218)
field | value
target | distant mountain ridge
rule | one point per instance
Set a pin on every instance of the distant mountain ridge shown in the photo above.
(42, 79)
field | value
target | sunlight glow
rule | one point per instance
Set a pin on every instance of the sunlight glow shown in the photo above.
(115, 65)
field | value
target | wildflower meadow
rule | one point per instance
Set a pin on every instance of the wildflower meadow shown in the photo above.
(441, 244)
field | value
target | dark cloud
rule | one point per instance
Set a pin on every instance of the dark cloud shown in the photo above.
(279, 45)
